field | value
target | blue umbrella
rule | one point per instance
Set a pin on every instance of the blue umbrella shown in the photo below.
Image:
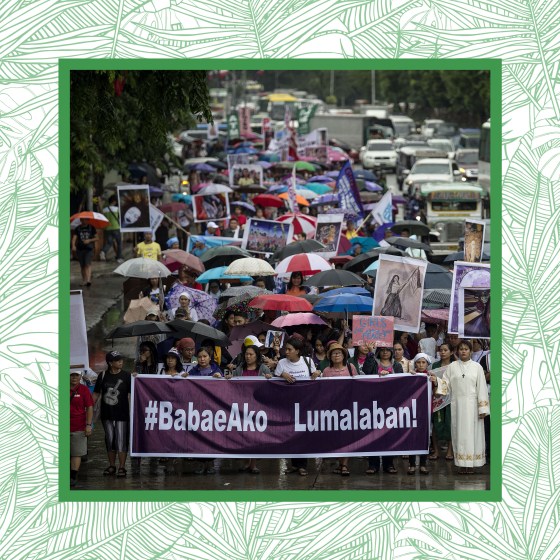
(349, 303)
(367, 243)
(365, 174)
(278, 189)
(218, 274)
(247, 205)
(318, 188)
(332, 174)
(177, 197)
(347, 290)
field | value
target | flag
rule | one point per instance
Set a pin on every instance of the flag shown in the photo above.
(348, 195)
(287, 115)
(292, 202)
(383, 211)
(292, 144)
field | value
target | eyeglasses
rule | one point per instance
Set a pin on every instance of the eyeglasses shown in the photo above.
(336, 352)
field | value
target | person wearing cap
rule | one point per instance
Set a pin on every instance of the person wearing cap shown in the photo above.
(173, 366)
(186, 348)
(113, 388)
(381, 363)
(212, 229)
(339, 367)
(81, 417)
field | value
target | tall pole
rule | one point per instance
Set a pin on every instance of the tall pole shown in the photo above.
(332, 83)
(373, 87)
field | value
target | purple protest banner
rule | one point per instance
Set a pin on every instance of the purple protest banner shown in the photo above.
(244, 417)
(373, 328)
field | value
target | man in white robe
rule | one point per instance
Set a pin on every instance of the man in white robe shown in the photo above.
(469, 405)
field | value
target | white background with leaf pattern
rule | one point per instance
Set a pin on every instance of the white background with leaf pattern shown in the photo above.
(33, 35)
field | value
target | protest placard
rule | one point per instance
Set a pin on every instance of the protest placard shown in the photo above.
(371, 328)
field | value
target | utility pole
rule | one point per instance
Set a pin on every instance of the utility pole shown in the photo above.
(332, 84)
(373, 87)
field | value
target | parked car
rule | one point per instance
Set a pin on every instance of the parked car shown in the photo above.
(379, 154)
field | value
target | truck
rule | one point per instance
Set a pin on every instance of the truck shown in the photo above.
(354, 130)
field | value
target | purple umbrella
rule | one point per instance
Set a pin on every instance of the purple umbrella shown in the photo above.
(332, 174)
(247, 205)
(204, 304)
(203, 167)
(372, 187)
(326, 199)
(321, 179)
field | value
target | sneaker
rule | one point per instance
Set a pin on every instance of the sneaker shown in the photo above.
(102, 256)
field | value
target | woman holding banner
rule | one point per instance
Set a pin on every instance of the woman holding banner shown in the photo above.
(291, 368)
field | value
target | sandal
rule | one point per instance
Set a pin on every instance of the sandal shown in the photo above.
(109, 471)
(449, 457)
(302, 472)
(411, 470)
(372, 471)
(344, 471)
(121, 473)
(391, 470)
(291, 470)
(424, 470)
(433, 457)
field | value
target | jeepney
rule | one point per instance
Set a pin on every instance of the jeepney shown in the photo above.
(446, 206)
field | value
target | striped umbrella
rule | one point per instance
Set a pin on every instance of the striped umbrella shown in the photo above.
(302, 222)
(306, 263)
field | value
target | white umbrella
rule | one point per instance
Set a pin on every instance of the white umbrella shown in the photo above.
(249, 266)
(214, 188)
(142, 268)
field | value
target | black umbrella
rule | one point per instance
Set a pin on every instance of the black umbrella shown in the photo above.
(414, 226)
(460, 256)
(198, 331)
(436, 299)
(250, 188)
(361, 262)
(305, 246)
(366, 175)
(437, 277)
(334, 278)
(407, 242)
(139, 328)
(312, 298)
(223, 256)
(218, 164)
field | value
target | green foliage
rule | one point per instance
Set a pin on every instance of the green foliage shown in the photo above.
(111, 128)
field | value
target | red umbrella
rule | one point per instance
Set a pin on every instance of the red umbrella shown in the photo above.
(302, 222)
(306, 263)
(268, 200)
(280, 302)
(180, 256)
(96, 219)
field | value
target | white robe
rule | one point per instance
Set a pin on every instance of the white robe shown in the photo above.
(469, 398)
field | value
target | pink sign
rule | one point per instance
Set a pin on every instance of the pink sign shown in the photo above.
(377, 329)
(244, 121)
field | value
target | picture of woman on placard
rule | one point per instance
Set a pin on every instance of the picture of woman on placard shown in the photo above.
(393, 306)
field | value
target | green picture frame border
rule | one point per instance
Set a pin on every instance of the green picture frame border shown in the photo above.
(494, 494)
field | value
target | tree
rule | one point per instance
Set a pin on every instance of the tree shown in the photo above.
(117, 117)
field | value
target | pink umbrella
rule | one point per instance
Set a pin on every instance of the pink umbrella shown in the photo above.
(302, 222)
(294, 319)
(306, 263)
(179, 256)
(435, 316)
(335, 155)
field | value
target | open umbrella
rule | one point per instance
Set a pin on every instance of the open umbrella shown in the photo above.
(325, 199)
(306, 263)
(280, 302)
(321, 179)
(96, 219)
(440, 316)
(372, 187)
(218, 274)
(204, 304)
(139, 328)
(268, 200)
(361, 262)
(334, 278)
(214, 188)
(348, 303)
(299, 199)
(414, 226)
(240, 332)
(142, 268)
(251, 267)
(357, 290)
(302, 222)
(253, 291)
(407, 242)
(318, 188)
(307, 194)
(294, 319)
(436, 299)
(245, 205)
(223, 256)
(179, 256)
(251, 189)
(367, 243)
(365, 175)
(305, 246)
(197, 331)
(202, 167)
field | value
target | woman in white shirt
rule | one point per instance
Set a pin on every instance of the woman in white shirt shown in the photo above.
(295, 367)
